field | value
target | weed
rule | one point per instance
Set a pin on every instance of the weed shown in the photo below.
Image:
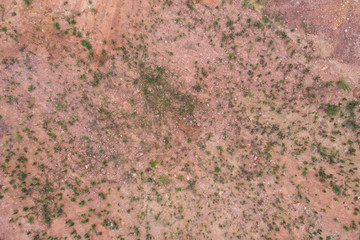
(352, 105)
(27, 2)
(343, 85)
(153, 163)
(31, 88)
(57, 25)
(336, 189)
(86, 44)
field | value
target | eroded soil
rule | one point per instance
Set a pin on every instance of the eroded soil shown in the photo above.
(335, 21)
(179, 120)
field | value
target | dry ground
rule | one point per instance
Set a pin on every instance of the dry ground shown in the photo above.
(177, 120)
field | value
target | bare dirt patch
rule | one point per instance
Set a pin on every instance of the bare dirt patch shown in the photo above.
(335, 21)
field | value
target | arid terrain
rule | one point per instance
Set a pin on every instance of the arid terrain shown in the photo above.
(166, 119)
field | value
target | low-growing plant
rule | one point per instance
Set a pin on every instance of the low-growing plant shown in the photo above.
(86, 44)
(343, 85)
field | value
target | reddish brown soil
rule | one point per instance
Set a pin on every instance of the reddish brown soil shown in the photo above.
(336, 21)
(178, 120)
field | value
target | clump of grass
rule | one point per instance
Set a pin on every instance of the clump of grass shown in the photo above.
(27, 2)
(332, 110)
(153, 163)
(352, 105)
(190, 4)
(246, 4)
(343, 85)
(57, 25)
(197, 87)
(164, 180)
(86, 44)
(31, 88)
(336, 189)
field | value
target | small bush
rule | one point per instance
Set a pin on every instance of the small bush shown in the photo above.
(343, 85)
(332, 110)
(57, 25)
(86, 44)
(27, 2)
(336, 189)
(352, 105)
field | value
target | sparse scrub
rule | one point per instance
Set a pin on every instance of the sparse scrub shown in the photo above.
(172, 120)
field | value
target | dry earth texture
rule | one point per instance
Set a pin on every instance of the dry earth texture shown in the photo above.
(172, 119)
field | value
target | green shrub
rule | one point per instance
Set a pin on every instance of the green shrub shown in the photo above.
(343, 85)
(57, 25)
(332, 110)
(27, 2)
(86, 44)
(351, 105)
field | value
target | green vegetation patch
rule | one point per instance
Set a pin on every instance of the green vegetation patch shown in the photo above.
(86, 44)
(161, 95)
(343, 85)
(27, 2)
